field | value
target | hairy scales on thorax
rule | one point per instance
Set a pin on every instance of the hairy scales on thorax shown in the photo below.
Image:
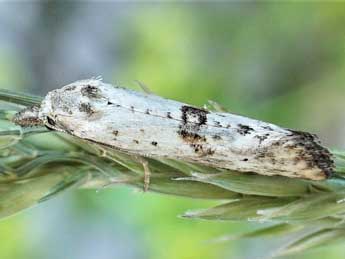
(148, 125)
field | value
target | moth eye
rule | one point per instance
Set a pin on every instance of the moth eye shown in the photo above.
(51, 121)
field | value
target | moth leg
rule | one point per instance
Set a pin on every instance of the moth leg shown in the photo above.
(147, 174)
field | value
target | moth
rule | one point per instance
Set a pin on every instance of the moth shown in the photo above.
(151, 126)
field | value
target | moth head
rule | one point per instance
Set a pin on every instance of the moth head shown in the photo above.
(62, 107)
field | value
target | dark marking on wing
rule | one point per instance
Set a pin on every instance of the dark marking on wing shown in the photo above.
(267, 128)
(91, 92)
(261, 138)
(193, 119)
(216, 137)
(312, 152)
(217, 124)
(70, 88)
(244, 129)
(201, 149)
(191, 136)
(194, 115)
(87, 108)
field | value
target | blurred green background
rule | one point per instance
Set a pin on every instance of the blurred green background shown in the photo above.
(279, 62)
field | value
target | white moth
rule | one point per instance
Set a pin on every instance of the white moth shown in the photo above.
(149, 125)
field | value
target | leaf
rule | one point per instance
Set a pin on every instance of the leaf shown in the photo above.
(247, 209)
(334, 184)
(70, 180)
(19, 98)
(313, 240)
(253, 184)
(279, 229)
(17, 196)
(312, 207)
(186, 188)
(271, 231)
(188, 168)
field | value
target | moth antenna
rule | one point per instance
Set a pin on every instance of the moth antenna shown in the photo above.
(217, 107)
(100, 78)
(144, 87)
